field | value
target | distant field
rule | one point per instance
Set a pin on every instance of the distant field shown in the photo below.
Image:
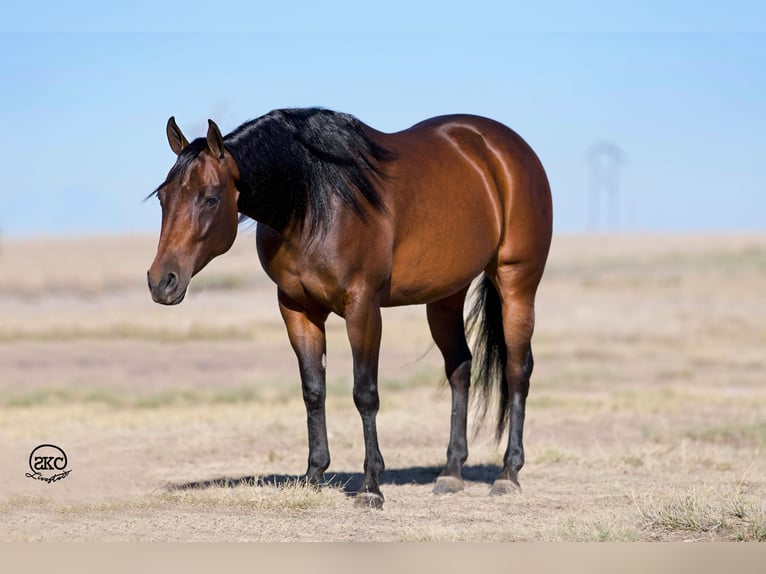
(646, 418)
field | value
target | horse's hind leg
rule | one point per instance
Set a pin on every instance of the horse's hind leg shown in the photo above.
(517, 292)
(445, 318)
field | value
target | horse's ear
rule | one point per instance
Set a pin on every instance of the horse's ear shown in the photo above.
(176, 139)
(214, 139)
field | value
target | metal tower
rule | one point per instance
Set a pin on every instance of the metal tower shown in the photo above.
(604, 160)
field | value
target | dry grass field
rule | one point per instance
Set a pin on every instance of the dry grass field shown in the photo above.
(646, 418)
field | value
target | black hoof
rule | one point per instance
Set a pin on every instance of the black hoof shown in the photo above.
(312, 481)
(448, 485)
(369, 500)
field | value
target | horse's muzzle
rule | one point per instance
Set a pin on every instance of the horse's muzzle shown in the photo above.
(167, 291)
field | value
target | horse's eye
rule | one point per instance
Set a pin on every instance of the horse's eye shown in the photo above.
(212, 201)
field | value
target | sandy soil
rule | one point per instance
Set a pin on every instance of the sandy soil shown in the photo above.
(646, 419)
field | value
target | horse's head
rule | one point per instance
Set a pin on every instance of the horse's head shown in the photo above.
(199, 212)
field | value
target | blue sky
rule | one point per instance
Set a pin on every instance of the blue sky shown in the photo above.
(679, 87)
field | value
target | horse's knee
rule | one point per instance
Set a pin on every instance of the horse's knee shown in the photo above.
(366, 396)
(314, 394)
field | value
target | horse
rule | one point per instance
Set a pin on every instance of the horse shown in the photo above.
(350, 219)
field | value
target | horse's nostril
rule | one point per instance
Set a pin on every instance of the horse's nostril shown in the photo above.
(149, 280)
(171, 283)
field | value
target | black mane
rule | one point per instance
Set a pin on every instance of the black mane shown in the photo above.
(293, 162)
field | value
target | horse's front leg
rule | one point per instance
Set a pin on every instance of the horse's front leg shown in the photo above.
(307, 337)
(363, 324)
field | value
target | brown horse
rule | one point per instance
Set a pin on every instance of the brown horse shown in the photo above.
(350, 220)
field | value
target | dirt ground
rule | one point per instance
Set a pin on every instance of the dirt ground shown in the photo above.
(646, 418)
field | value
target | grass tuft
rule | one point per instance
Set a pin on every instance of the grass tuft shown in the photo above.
(291, 495)
(727, 516)
(606, 528)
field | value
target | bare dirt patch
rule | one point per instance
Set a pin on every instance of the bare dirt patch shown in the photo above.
(645, 419)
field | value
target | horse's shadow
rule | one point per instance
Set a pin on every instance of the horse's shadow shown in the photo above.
(348, 482)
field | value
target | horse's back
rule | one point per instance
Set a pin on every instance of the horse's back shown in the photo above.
(465, 193)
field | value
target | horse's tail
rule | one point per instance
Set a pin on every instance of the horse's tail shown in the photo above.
(485, 325)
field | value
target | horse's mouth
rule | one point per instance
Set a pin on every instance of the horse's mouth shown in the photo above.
(178, 299)
(164, 301)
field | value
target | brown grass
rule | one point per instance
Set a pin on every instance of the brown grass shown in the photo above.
(645, 420)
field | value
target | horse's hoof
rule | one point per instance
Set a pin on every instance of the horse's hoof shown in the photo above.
(448, 485)
(369, 500)
(504, 486)
(311, 481)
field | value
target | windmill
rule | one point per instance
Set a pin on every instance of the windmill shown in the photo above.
(604, 160)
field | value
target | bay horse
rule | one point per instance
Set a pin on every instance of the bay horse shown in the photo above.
(351, 219)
